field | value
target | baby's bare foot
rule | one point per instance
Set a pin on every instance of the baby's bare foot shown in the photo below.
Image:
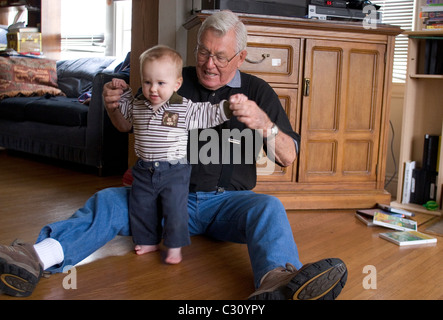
(142, 248)
(173, 256)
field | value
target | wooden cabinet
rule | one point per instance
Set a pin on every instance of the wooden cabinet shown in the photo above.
(333, 79)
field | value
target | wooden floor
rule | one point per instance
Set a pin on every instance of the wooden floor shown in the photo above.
(34, 193)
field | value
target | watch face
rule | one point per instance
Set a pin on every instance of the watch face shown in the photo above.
(274, 130)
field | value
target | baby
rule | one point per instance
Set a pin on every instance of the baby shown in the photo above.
(161, 119)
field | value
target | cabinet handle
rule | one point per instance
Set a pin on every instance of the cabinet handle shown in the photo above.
(306, 86)
(264, 56)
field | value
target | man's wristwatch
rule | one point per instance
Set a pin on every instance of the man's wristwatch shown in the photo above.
(274, 132)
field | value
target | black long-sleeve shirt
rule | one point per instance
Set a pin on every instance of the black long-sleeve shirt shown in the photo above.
(206, 176)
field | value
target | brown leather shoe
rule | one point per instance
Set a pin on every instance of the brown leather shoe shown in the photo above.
(322, 280)
(20, 269)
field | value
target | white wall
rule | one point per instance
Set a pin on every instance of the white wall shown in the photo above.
(171, 31)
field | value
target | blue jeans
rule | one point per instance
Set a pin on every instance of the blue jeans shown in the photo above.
(258, 220)
(158, 203)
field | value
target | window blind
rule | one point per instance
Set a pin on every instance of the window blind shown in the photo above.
(398, 13)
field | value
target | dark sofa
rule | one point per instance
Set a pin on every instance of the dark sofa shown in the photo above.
(63, 128)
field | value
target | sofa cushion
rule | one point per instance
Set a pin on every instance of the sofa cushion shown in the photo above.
(48, 109)
(57, 110)
(20, 76)
(14, 108)
(75, 76)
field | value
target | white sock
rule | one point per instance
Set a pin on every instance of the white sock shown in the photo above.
(50, 252)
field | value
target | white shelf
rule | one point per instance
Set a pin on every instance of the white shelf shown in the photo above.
(415, 208)
(426, 76)
(422, 114)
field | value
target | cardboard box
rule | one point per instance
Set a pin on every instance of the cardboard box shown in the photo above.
(25, 42)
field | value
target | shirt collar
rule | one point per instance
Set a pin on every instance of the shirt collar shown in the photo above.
(174, 99)
(236, 81)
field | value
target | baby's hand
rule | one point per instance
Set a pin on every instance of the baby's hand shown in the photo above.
(119, 84)
(238, 98)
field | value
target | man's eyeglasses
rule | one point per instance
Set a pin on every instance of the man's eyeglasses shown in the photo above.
(220, 61)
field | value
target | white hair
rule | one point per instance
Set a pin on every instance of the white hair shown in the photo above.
(222, 22)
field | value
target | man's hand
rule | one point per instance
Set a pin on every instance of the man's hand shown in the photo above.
(111, 96)
(112, 92)
(249, 113)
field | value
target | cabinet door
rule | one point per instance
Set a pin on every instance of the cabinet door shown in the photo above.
(267, 170)
(341, 111)
(276, 60)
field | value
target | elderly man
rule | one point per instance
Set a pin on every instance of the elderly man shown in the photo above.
(221, 204)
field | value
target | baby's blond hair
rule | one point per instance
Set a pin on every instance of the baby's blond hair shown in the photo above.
(160, 52)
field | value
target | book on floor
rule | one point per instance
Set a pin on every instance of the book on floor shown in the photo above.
(367, 220)
(397, 223)
(372, 212)
(367, 215)
(407, 238)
